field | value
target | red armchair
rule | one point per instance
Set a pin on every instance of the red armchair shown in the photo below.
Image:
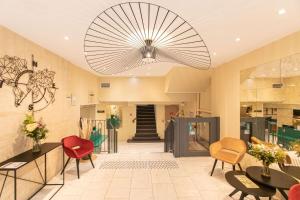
(76, 147)
(294, 192)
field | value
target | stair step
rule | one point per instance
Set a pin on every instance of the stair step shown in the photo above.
(146, 138)
(146, 131)
(146, 135)
(146, 119)
(146, 126)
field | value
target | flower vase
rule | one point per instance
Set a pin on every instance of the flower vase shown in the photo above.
(36, 147)
(266, 170)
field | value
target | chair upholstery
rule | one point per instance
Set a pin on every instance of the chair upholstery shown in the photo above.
(294, 192)
(229, 150)
(255, 140)
(76, 147)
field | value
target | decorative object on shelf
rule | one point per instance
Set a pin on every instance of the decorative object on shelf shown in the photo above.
(133, 34)
(296, 147)
(36, 130)
(28, 82)
(268, 154)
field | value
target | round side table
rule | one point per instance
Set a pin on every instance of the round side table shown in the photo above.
(278, 179)
(292, 170)
(262, 191)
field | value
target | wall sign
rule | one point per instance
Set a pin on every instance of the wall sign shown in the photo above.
(28, 82)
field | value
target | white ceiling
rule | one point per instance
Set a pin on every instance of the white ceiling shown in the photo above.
(219, 22)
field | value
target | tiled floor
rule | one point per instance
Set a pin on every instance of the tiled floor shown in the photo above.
(191, 181)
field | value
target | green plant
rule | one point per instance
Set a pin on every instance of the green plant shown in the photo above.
(296, 146)
(115, 121)
(34, 129)
(267, 153)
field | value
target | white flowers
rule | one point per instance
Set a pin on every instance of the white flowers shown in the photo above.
(31, 127)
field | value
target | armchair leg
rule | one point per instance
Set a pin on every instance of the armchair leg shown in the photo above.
(222, 165)
(65, 166)
(77, 165)
(91, 160)
(240, 166)
(213, 169)
(233, 167)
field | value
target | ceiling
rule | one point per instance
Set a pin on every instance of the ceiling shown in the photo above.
(219, 23)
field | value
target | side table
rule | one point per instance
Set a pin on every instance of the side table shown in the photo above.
(262, 191)
(278, 179)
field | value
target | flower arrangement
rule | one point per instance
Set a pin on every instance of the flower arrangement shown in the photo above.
(36, 130)
(296, 147)
(268, 154)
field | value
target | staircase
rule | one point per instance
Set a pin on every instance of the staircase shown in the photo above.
(145, 125)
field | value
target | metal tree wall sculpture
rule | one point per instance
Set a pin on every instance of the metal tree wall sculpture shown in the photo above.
(25, 82)
(132, 34)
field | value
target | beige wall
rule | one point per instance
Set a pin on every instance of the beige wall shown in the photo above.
(226, 80)
(61, 117)
(142, 89)
(187, 80)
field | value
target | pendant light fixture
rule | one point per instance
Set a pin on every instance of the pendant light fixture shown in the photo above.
(132, 34)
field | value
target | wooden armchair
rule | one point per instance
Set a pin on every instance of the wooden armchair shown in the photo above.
(229, 150)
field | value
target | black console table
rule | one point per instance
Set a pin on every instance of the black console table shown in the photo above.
(28, 157)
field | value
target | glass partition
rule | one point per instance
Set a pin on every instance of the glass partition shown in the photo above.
(198, 136)
(270, 101)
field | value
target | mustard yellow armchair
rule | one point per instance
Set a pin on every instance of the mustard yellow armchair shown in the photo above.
(228, 150)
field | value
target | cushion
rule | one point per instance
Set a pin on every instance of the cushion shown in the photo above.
(227, 156)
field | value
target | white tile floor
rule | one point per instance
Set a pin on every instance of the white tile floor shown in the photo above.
(191, 181)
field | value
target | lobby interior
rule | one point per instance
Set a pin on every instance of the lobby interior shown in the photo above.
(152, 100)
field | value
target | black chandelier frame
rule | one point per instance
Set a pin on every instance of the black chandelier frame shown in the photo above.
(114, 39)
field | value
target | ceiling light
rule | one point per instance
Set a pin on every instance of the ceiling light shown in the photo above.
(214, 53)
(274, 69)
(281, 11)
(296, 69)
(126, 68)
(148, 52)
(153, 37)
(237, 39)
(66, 38)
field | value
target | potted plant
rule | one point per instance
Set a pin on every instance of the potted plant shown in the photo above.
(36, 130)
(268, 154)
(113, 122)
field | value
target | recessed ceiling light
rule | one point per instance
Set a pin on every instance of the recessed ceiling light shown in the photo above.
(281, 11)
(273, 69)
(66, 38)
(214, 53)
(237, 39)
(295, 68)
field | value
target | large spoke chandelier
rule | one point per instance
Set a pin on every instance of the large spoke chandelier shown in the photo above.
(132, 34)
